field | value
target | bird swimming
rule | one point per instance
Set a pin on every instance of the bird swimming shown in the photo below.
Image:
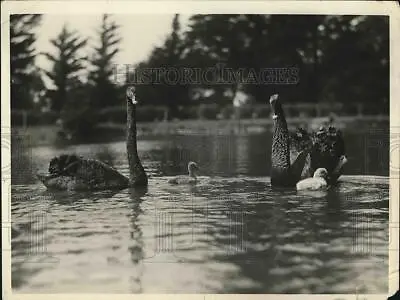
(286, 165)
(307, 151)
(186, 179)
(328, 152)
(71, 172)
(317, 182)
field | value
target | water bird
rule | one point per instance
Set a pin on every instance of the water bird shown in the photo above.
(286, 165)
(298, 155)
(317, 182)
(186, 179)
(328, 151)
(72, 172)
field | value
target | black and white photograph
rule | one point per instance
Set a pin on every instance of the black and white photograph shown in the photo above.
(167, 152)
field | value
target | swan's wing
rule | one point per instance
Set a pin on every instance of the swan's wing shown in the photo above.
(300, 146)
(328, 148)
(95, 172)
(68, 172)
(65, 164)
(299, 141)
(334, 176)
(296, 168)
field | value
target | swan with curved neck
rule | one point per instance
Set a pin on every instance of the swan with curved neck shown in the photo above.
(70, 172)
(285, 172)
(298, 156)
(186, 179)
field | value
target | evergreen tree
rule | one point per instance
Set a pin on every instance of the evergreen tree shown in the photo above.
(169, 61)
(104, 90)
(67, 66)
(24, 75)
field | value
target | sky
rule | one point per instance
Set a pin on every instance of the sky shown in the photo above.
(139, 33)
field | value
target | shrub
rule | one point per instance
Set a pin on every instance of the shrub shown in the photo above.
(227, 112)
(150, 113)
(246, 112)
(33, 118)
(143, 114)
(207, 111)
(188, 113)
(263, 112)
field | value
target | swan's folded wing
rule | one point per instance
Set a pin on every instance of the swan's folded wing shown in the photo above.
(300, 147)
(296, 168)
(307, 170)
(95, 172)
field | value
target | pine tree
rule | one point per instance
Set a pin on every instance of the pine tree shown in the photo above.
(169, 56)
(22, 59)
(104, 91)
(67, 66)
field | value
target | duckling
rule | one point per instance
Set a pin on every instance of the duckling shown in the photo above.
(185, 179)
(319, 181)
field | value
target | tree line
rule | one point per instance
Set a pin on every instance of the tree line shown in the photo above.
(339, 59)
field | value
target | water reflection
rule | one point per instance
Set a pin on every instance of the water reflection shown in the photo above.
(231, 233)
(136, 247)
(225, 155)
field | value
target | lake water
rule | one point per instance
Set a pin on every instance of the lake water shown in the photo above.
(231, 233)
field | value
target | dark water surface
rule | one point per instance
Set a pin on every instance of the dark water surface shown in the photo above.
(231, 233)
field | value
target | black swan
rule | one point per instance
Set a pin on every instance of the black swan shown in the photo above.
(286, 165)
(317, 182)
(186, 179)
(70, 172)
(328, 152)
(298, 155)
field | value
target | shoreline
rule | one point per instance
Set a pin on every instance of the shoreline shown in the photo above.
(111, 132)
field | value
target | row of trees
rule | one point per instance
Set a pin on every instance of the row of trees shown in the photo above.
(81, 85)
(339, 58)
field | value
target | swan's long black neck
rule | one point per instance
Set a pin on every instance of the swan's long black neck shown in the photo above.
(137, 175)
(131, 142)
(280, 141)
(280, 154)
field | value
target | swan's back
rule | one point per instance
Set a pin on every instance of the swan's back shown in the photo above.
(327, 149)
(99, 174)
(69, 172)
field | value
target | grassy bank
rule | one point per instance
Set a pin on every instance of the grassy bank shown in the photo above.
(108, 132)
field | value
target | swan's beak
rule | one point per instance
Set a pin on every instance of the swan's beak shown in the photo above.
(273, 99)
